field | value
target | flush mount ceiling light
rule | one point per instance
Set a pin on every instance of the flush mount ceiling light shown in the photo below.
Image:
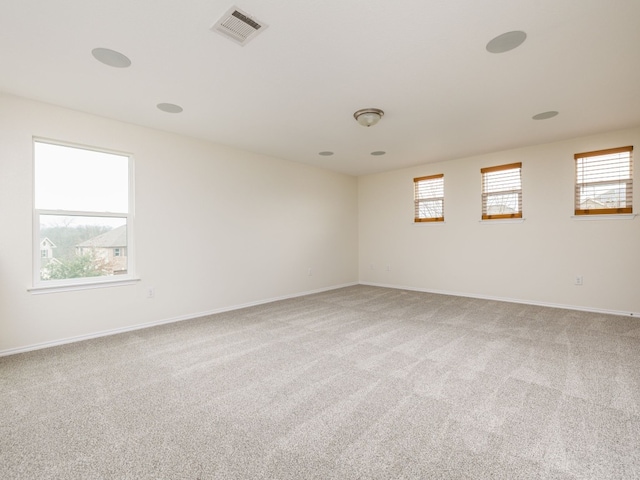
(111, 57)
(545, 115)
(169, 107)
(368, 117)
(506, 41)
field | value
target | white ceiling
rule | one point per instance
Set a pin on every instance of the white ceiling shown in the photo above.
(291, 92)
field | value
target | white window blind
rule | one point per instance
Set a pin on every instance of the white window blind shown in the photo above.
(604, 182)
(502, 191)
(429, 198)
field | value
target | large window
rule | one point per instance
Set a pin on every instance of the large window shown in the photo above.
(604, 182)
(429, 198)
(502, 191)
(83, 215)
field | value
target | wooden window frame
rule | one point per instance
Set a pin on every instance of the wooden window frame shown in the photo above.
(629, 183)
(417, 200)
(486, 195)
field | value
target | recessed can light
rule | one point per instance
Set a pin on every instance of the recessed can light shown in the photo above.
(377, 153)
(545, 115)
(169, 107)
(326, 154)
(506, 41)
(111, 57)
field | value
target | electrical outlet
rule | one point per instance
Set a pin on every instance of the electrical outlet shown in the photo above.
(310, 272)
(578, 280)
(388, 268)
(151, 292)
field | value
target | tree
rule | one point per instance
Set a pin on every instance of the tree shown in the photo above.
(79, 266)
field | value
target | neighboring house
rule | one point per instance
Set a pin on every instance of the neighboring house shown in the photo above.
(46, 257)
(591, 204)
(614, 197)
(110, 248)
(46, 248)
(611, 198)
(500, 210)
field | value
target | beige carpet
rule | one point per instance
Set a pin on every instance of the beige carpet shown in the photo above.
(356, 383)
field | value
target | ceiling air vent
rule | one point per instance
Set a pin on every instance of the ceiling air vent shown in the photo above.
(238, 26)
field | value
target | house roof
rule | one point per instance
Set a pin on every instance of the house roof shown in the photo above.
(47, 241)
(291, 92)
(112, 239)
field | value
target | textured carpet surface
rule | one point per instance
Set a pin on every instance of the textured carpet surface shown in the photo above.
(356, 383)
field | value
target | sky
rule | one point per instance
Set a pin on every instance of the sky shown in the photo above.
(76, 179)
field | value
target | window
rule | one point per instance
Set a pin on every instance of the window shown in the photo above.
(83, 213)
(604, 182)
(429, 198)
(502, 192)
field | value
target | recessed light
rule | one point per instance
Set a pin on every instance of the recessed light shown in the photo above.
(169, 107)
(111, 57)
(506, 41)
(545, 115)
(326, 154)
(378, 153)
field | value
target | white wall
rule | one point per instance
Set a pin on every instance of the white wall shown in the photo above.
(218, 228)
(535, 261)
(215, 228)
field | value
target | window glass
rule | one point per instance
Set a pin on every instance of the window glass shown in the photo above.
(502, 191)
(429, 198)
(82, 215)
(604, 182)
(69, 178)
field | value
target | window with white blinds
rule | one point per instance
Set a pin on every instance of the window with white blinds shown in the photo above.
(502, 191)
(429, 198)
(604, 182)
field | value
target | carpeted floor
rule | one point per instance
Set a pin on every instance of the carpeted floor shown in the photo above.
(356, 383)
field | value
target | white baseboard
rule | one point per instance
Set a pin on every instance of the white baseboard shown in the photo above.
(506, 299)
(104, 333)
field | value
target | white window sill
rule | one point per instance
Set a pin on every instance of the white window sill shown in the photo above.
(613, 216)
(39, 290)
(502, 220)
